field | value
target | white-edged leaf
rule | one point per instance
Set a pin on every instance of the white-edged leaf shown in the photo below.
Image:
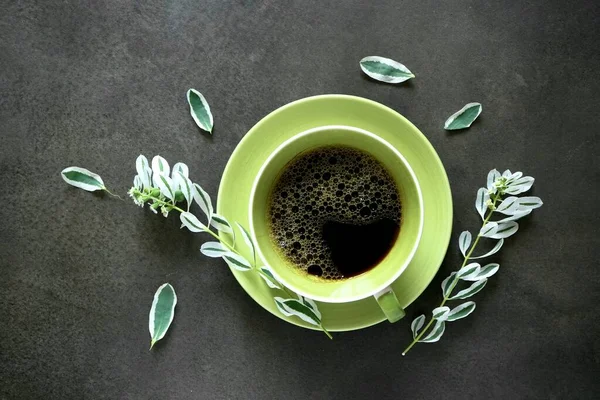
(494, 250)
(293, 307)
(470, 291)
(165, 184)
(436, 333)
(481, 201)
(520, 185)
(529, 203)
(273, 283)
(515, 176)
(509, 206)
(507, 174)
(385, 70)
(468, 271)
(440, 313)
(190, 221)
(137, 182)
(220, 223)
(486, 272)
(203, 200)
(236, 261)
(447, 284)
(143, 169)
(247, 239)
(515, 216)
(160, 166)
(417, 324)
(182, 168)
(161, 312)
(489, 229)
(186, 187)
(461, 311)
(200, 110)
(464, 241)
(491, 178)
(464, 117)
(213, 249)
(312, 305)
(82, 179)
(505, 230)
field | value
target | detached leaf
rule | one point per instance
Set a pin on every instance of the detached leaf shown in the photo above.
(293, 307)
(273, 283)
(494, 250)
(236, 261)
(481, 202)
(416, 325)
(489, 229)
(385, 70)
(200, 110)
(441, 313)
(190, 221)
(464, 241)
(213, 249)
(447, 284)
(464, 117)
(505, 230)
(203, 200)
(436, 333)
(160, 166)
(247, 240)
(83, 179)
(162, 312)
(470, 291)
(461, 311)
(221, 223)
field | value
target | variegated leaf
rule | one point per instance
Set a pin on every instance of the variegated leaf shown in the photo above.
(464, 117)
(461, 311)
(385, 70)
(200, 110)
(470, 291)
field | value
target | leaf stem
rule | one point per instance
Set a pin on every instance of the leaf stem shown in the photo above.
(112, 194)
(445, 299)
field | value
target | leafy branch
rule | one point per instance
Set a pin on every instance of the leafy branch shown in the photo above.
(490, 201)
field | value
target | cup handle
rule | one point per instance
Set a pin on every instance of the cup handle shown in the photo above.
(389, 304)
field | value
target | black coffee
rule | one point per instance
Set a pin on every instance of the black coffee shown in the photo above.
(334, 212)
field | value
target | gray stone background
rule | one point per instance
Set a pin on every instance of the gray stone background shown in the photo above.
(95, 83)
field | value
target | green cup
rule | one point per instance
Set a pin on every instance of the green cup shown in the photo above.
(374, 282)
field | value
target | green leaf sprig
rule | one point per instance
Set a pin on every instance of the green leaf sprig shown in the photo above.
(154, 186)
(498, 197)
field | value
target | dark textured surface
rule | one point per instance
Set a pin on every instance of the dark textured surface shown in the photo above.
(95, 83)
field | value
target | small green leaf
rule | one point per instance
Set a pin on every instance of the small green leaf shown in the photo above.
(470, 291)
(494, 250)
(221, 223)
(293, 307)
(461, 311)
(203, 200)
(468, 271)
(464, 241)
(416, 325)
(440, 313)
(83, 179)
(436, 333)
(273, 283)
(447, 284)
(385, 70)
(160, 166)
(190, 221)
(248, 240)
(481, 201)
(310, 303)
(162, 312)
(464, 117)
(213, 249)
(200, 110)
(505, 230)
(236, 261)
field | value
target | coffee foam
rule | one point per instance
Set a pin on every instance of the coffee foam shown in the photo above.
(337, 184)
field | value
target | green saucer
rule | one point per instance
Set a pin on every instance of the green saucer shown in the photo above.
(316, 111)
